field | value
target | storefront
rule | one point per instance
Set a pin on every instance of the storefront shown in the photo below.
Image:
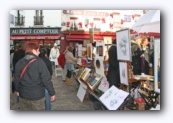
(44, 36)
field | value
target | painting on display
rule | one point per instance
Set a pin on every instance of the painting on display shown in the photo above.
(100, 48)
(89, 51)
(123, 73)
(108, 40)
(113, 98)
(99, 67)
(123, 45)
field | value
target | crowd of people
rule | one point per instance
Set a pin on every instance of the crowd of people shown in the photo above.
(32, 69)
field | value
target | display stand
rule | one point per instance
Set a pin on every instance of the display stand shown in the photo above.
(126, 103)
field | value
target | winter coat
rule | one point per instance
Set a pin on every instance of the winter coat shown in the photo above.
(48, 64)
(34, 81)
(61, 59)
(17, 56)
(69, 58)
(54, 54)
(137, 63)
(113, 76)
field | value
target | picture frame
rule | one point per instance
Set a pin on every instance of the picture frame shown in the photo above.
(157, 65)
(123, 45)
(100, 50)
(108, 40)
(89, 51)
(123, 73)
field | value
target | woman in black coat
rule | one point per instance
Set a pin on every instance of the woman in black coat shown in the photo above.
(113, 76)
(140, 59)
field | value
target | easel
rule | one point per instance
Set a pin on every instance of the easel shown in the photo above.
(129, 75)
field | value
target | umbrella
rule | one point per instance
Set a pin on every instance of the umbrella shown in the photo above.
(149, 22)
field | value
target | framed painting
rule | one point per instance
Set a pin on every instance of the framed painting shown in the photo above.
(123, 73)
(123, 45)
(89, 51)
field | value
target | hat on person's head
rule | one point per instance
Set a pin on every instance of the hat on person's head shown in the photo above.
(55, 45)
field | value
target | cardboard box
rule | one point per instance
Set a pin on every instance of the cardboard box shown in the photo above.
(140, 104)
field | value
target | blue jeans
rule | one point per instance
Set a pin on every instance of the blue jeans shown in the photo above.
(47, 101)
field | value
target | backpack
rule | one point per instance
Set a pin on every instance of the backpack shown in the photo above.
(61, 59)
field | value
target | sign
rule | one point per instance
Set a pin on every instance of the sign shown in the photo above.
(38, 31)
(86, 13)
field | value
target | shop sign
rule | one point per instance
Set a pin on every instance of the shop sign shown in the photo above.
(86, 13)
(38, 31)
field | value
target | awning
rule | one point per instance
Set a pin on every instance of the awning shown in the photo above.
(34, 37)
(83, 37)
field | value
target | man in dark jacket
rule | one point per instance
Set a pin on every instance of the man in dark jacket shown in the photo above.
(31, 86)
(18, 55)
(113, 76)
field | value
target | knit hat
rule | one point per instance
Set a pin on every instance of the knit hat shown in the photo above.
(55, 45)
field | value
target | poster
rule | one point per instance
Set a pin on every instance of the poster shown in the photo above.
(123, 73)
(89, 51)
(99, 66)
(113, 98)
(123, 45)
(100, 50)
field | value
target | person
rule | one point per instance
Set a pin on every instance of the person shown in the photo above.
(43, 55)
(54, 54)
(113, 76)
(31, 86)
(20, 53)
(11, 60)
(70, 61)
(136, 60)
(140, 60)
(63, 66)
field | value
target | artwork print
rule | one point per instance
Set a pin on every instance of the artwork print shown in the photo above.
(99, 67)
(123, 73)
(123, 45)
(100, 48)
(89, 51)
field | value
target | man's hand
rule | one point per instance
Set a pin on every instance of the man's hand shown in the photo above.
(52, 98)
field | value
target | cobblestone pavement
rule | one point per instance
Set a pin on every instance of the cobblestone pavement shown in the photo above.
(66, 98)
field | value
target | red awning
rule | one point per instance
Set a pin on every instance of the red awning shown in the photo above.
(82, 37)
(34, 37)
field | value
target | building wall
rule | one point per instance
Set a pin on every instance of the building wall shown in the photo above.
(52, 18)
(119, 20)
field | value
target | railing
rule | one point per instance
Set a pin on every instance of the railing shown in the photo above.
(38, 20)
(19, 21)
